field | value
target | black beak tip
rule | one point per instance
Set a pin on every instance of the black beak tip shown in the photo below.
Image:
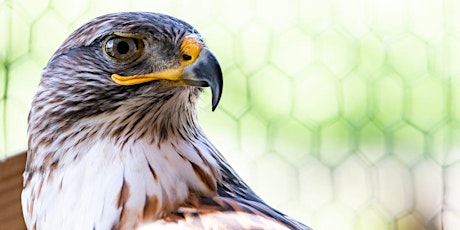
(216, 83)
(214, 103)
(216, 93)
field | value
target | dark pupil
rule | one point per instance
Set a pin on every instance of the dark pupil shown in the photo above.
(122, 47)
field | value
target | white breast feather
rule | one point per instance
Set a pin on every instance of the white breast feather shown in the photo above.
(91, 185)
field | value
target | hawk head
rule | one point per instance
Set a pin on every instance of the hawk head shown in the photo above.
(119, 70)
(130, 49)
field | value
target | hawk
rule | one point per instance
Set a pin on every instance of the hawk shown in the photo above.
(114, 141)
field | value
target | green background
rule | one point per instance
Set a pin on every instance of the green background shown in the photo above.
(343, 114)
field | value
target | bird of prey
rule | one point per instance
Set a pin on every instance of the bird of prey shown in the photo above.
(114, 141)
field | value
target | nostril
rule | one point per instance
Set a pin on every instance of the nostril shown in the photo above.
(186, 57)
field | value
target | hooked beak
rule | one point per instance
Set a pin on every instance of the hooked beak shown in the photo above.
(204, 71)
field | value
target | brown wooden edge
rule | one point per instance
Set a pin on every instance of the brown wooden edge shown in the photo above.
(11, 170)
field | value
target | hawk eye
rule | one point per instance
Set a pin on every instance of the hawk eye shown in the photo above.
(123, 48)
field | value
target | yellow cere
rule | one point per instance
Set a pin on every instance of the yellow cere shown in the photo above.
(192, 47)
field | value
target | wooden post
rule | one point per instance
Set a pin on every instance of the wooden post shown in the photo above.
(11, 170)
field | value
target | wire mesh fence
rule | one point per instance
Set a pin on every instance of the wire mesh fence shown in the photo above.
(343, 114)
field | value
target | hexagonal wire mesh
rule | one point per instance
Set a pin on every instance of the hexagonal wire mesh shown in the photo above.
(343, 114)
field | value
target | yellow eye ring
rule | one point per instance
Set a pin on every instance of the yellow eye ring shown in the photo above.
(123, 47)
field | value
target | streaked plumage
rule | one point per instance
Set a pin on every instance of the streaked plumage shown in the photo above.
(114, 141)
